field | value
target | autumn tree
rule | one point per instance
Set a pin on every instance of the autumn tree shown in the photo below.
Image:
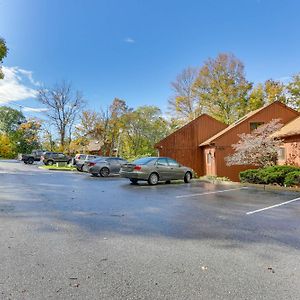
(104, 126)
(117, 111)
(6, 149)
(27, 136)
(274, 91)
(256, 98)
(3, 53)
(293, 89)
(64, 105)
(258, 148)
(184, 103)
(222, 88)
(17, 134)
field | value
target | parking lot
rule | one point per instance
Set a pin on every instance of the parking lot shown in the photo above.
(67, 235)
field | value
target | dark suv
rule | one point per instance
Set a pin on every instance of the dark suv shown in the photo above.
(50, 158)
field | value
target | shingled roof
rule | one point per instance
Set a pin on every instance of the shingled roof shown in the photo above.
(241, 120)
(291, 128)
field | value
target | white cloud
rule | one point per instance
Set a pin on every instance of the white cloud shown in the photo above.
(14, 88)
(129, 40)
(34, 109)
(29, 75)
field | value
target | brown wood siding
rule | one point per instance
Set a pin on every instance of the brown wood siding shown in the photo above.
(224, 142)
(183, 144)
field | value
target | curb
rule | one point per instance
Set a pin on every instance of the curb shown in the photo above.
(258, 186)
(50, 169)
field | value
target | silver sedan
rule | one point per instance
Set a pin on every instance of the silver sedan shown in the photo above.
(155, 169)
(105, 166)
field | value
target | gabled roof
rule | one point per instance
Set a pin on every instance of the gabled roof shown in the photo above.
(186, 125)
(241, 120)
(291, 128)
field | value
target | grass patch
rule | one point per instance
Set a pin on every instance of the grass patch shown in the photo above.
(55, 168)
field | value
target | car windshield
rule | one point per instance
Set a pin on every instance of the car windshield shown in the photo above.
(143, 161)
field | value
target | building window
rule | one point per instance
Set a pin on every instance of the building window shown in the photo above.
(208, 158)
(255, 125)
(281, 153)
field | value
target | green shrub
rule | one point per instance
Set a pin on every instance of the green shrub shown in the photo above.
(276, 174)
(269, 175)
(250, 176)
(292, 179)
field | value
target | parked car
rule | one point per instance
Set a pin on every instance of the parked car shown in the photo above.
(50, 158)
(155, 169)
(82, 159)
(105, 166)
(35, 155)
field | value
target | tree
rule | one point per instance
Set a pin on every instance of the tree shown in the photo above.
(3, 53)
(27, 136)
(105, 126)
(6, 149)
(10, 119)
(64, 106)
(145, 126)
(184, 103)
(222, 88)
(256, 98)
(293, 89)
(274, 91)
(258, 148)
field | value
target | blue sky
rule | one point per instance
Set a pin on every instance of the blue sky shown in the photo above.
(133, 49)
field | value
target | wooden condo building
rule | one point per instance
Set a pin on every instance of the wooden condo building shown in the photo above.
(204, 143)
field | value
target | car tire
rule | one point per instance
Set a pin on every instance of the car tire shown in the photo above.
(25, 162)
(133, 180)
(104, 172)
(30, 161)
(95, 174)
(153, 179)
(79, 169)
(50, 162)
(187, 177)
(69, 161)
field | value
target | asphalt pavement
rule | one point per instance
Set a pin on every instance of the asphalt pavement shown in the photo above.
(66, 235)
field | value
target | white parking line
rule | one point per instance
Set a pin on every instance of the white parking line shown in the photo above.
(208, 193)
(273, 206)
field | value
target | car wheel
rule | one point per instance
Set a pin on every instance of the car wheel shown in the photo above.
(187, 177)
(133, 181)
(69, 161)
(79, 169)
(104, 172)
(30, 161)
(153, 179)
(50, 162)
(95, 174)
(25, 162)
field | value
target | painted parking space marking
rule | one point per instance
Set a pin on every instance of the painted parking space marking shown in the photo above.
(209, 193)
(272, 206)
